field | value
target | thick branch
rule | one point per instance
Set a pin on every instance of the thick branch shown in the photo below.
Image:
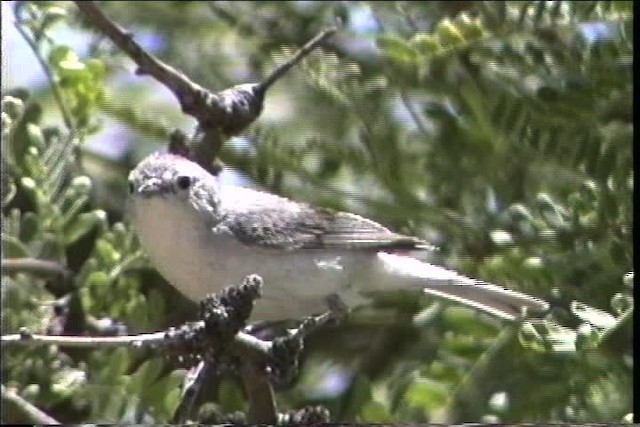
(219, 115)
(190, 95)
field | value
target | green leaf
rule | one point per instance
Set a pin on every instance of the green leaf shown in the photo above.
(623, 7)
(14, 248)
(170, 402)
(444, 372)
(13, 107)
(448, 33)
(67, 382)
(52, 15)
(428, 314)
(62, 54)
(548, 94)
(622, 303)
(529, 337)
(156, 304)
(9, 191)
(36, 138)
(396, 49)
(501, 237)
(96, 68)
(359, 393)
(145, 376)
(97, 279)
(30, 226)
(116, 365)
(587, 337)
(375, 412)
(466, 320)
(471, 29)
(230, 396)
(463, 346)
(426, 44)
(546, 335)
(83, 224)
(427, 393)
(107, 252)
(607, 162)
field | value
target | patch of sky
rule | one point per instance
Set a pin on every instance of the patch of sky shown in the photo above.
(598, 31)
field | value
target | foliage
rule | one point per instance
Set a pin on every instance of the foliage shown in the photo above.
(501, 131)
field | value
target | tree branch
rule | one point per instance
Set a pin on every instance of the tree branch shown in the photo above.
(246, 344)
(297, 57)
(67, 118)
(35, 266)
(219, 115)
(189, 93)
(262, 406)
(192, 383)
(32, 413)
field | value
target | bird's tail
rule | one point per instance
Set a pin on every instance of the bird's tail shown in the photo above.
(440, 282)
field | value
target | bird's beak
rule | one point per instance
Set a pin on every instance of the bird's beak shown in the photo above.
(152, 187)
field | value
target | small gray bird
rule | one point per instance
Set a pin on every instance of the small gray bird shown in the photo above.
(202, 235)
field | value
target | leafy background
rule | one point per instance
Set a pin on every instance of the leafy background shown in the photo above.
(500, 131)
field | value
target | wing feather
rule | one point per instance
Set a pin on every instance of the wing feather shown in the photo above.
(311, 228)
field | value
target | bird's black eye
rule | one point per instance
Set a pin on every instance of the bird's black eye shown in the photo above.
(183, 182)
(132, 187)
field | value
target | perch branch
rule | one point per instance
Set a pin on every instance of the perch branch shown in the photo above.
(244, 343)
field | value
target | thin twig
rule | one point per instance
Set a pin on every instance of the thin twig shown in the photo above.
(239, 26)
(467, 389)
(247, 344)
(192, 383)
(419, 120)
(297, 57)
(66, 116)
(32, 413)
(39, 267)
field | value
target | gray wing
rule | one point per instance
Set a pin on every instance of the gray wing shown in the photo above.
(312, 228)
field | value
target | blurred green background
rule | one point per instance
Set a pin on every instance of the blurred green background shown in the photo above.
(499, 131)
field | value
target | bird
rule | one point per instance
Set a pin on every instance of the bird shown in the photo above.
(203, 235)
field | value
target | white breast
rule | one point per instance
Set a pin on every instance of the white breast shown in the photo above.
(184, 249)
